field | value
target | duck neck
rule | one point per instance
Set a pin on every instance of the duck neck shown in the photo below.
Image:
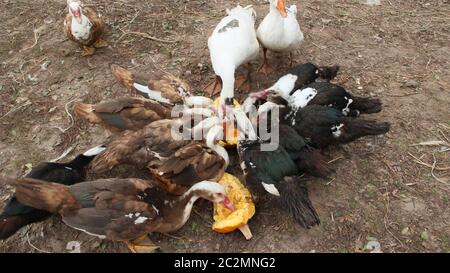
(222, 152)
(274, 12)
(186, 203)
(212, 136)
(228, 81)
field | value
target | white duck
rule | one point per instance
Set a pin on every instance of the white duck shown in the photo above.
(232, 44)
(279, 31)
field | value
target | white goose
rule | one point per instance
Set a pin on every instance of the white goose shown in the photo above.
(232, 44)
(279, 31)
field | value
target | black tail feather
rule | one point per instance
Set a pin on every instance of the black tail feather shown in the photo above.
(366, 105)
(10, 225)
(295, 200)
(312, 162)
(329, 72)
(356, 128)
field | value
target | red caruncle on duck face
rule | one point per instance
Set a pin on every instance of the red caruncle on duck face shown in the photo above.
(75, 9)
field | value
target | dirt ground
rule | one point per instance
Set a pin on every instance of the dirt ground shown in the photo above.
(398, 51)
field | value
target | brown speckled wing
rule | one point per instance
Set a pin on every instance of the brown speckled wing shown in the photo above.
(150, 145)
(171, 88)
(116, 208)
(98, 26)
(67, 28)
(130, 113)
(191, 164)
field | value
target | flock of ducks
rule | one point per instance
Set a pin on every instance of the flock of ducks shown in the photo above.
(313, 115)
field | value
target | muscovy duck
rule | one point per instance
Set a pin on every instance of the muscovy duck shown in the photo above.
(276, 173)
(324, 126)
(119, 209)
(16, 215)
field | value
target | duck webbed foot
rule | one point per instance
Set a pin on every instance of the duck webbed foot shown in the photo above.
(142, 245)
(265, 68)
(243, 83)
(87, 51)
(214, 87)
(100, 43)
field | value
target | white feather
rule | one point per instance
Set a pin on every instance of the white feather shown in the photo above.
(270, 188)
(301, 98)
(336, 130)
(94, 151)
(154, 95)
(140, 220)
(284, 85)
(199, 101)
(346, 110)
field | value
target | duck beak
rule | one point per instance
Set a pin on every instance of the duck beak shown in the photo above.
(281, 6)
(227, 203)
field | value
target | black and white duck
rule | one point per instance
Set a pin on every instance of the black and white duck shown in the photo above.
(274, 172)
(323, 93)
(324, 126)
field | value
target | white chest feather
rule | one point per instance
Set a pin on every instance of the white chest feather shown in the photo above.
(280, 34)
(81, 31)
(301, 98)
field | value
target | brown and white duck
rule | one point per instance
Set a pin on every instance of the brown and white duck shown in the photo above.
(166, 89)
(134, 113)
(171, 156)
(119, 209)
(84, 26)
(127, 113)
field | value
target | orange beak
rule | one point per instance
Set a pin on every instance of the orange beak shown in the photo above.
(281, 6)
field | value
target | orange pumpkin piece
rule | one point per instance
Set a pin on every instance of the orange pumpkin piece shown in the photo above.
(226, 221)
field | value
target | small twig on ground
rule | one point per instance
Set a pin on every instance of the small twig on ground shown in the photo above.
(389, 167)
(444, 126)
(33, 246)
(72, 121)
(336, 159)
(66, 152)
(143, 35)
(328, 183)
(444, 136)
(404, 95)
(432, 143)
(418, 161)
(15, 109)
(432, 170)
(134, 18)
(36, 39)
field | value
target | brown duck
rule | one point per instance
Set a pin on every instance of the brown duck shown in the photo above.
(132, 113)
(166, 89)
(83, 26)
(118, 209)
(128, 113)
(176, 161)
